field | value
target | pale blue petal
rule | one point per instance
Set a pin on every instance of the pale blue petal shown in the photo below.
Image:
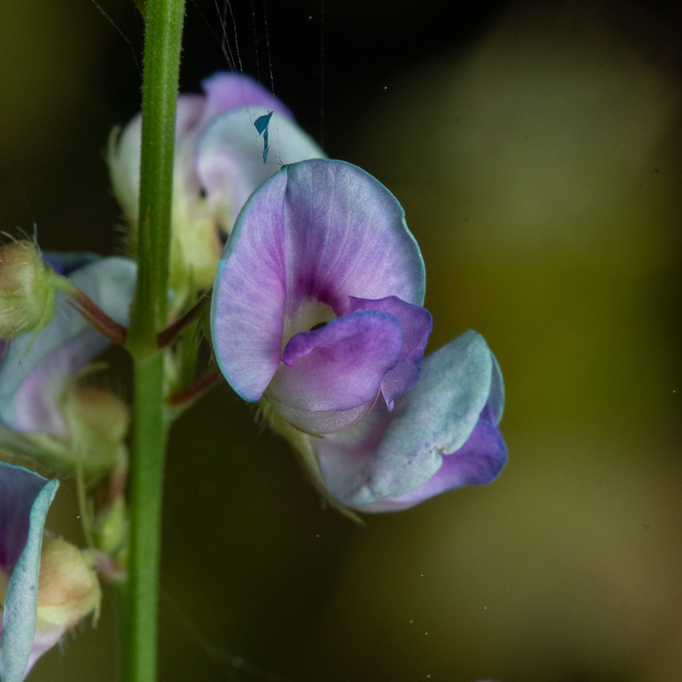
(391, 454)
(496, 401)
(25, 498)
(65, 262)
(477, 462)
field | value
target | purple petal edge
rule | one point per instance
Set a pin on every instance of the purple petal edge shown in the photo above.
(416, 324)
(337, 368)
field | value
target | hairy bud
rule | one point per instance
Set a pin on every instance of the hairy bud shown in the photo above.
(27, 294)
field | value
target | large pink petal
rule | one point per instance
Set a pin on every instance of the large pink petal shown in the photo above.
(317, 231)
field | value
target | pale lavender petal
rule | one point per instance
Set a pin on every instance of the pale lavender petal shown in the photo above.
(189, 114)
(318, 231)
(416, 324)
(226, 91)
(247, 308)
(25, 499)
(335, 369)
(391, 454)
(346, 236)
(35, 370)
(230, 156)
(223, 92)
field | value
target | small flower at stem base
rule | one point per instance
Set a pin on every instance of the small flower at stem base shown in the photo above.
(35, 369)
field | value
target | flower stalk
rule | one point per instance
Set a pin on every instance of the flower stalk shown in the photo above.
(115, 332)
(166, 337)
(199, 388)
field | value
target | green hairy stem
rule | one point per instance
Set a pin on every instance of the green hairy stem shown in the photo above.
(139, 594)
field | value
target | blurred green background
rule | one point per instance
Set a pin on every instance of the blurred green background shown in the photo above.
(536, 150)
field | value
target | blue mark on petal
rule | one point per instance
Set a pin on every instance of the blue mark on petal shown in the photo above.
(261, 125)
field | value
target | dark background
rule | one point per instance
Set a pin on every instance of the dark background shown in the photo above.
(535, 147)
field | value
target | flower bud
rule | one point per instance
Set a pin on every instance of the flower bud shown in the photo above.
(111, 531)
(101, 414)
(98, 422)
(68, 588)
(27, 295)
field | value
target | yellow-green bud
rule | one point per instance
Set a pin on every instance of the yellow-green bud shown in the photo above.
(111, 531)
(68, 588)
(102, 413)
(98, 421)
(27, 294)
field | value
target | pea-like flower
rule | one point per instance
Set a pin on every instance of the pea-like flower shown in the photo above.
(219, 161)
(317, 312)
(40, 601)
(317, 301)
(38, 393)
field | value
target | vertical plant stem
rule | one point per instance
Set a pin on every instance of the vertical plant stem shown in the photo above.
(138, 622)
(139, 629)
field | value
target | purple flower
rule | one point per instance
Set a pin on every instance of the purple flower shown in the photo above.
(46, 587)
(316, 304)
(35, 369)
(25, 499)
(316, 310)
(218, 163)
